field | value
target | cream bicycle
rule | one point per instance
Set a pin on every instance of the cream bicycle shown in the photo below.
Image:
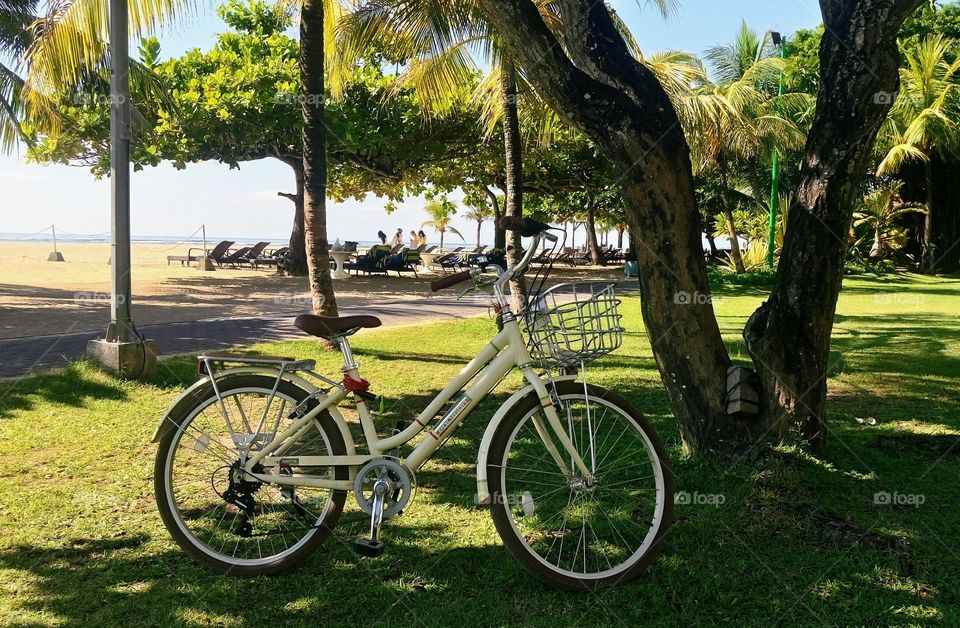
(255, 461)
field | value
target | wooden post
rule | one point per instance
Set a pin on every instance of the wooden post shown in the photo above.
(56, 256)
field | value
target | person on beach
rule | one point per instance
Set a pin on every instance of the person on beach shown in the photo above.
(382, 236)
(397, 238)
(414, 239)
(422, 238)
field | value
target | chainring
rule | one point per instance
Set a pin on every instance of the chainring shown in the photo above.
(401, 482)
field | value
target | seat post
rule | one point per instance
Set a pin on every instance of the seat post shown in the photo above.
(349, 364)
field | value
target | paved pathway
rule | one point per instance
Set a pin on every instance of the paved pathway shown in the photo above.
(23, 356)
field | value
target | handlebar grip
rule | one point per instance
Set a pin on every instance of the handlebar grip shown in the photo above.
(526, 226)
(513, 223)
(450, 280)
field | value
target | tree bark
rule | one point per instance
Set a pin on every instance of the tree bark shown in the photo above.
(617, 102)
(788, 337)
(620, 230)
(297, 254)
(929, 257)
(735, 254)
(315, 157)
(513, 149)
(621, 106)
(595, 256)
(499, 235)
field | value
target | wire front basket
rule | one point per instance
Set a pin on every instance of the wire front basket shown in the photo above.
(574, 323)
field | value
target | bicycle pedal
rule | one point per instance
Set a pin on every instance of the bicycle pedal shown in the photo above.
(368, 548)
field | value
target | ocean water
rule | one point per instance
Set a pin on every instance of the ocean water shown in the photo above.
(104, 238)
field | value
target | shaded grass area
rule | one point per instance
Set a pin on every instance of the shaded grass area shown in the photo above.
(774, 537)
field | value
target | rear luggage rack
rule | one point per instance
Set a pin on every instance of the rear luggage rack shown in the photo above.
(207, 360)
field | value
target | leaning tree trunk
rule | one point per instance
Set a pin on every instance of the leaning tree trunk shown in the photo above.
(789, 335)
(315, 157)
(620, 230)
(929, 257)
(297, 253)
(479, 225)
(595, 256)
(735, 254)
(621, 106)
(513, 149)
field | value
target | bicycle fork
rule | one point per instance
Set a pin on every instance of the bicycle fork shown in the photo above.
(555, 426)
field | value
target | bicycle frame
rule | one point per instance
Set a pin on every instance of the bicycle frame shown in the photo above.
(504, 353)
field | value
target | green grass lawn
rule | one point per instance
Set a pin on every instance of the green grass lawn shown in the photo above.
(795, 540)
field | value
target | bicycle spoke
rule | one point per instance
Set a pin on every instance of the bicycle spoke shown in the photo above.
(603, 525)
(203, 467)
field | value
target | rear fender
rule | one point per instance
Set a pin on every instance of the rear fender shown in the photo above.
(202, 386)
(483, 491)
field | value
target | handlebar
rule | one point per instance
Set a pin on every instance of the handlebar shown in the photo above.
(527, 227)
(450, 280)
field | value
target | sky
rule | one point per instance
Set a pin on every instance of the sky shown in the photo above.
(243, 204)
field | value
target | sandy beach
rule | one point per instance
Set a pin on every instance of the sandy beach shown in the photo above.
(38, 297)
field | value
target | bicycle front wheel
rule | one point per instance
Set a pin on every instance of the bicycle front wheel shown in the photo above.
(577, 532)
(222, 516)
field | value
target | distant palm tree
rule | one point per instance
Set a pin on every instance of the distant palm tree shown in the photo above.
(923, 120)
(441, 212)
(881, 211)
(739, 117)
(480, 212)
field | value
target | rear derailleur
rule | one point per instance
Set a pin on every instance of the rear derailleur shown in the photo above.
(240, 493)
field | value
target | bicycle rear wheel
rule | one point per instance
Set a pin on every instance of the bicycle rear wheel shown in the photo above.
(566, 531)
(221, 516)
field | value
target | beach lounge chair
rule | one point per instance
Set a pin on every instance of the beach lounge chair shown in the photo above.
(240, 256)
(460, 259)
(443, 260)
(494, 257)
(573, 257)
(373, 261)
(276, 258)
(218, 252)
(255, 253)
(612, 254)
(404, 262)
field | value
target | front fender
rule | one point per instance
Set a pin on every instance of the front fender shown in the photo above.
(483, 491)
(199, 388)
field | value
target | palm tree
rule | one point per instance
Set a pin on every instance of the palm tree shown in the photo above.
(15, 19)
(317, 23)
(881, 211)
(479, 212)
(923, 121)
(738, 118)
(441, 211)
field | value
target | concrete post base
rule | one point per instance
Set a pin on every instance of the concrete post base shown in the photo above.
(129, 360)
(56, 256)
(206, 263)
